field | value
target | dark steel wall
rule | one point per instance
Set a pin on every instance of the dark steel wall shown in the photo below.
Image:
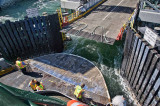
(141, 68)
(30, 37)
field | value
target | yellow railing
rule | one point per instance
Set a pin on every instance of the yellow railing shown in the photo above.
(61, 22)
(73, 17)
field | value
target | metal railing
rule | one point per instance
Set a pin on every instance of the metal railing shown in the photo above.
(102, 34)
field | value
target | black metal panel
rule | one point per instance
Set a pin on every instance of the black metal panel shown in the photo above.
(148, 76)
(27, 39)
(132, 57)
(44, 43)
(146, 68)
(4, 49)
(13, 27)
(30, 37)
(138, 63)
(151, 83)
(153, 92)
(47, 28)
(11, 34)
(146, 52)
(142, 70)
(22, 38)
(8, 38)
(135, 59)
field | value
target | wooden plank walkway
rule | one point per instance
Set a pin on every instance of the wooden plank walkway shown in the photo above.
(111, 15)
(62, 72)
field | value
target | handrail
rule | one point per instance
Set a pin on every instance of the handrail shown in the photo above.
(102, 35)
(60, 22)
(93, 32)
(106, 39)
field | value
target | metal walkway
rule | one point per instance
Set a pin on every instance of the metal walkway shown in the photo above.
(110, 15)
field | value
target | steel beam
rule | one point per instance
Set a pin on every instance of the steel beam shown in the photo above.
(149, 16)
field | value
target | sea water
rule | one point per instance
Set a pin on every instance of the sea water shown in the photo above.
(106, 57)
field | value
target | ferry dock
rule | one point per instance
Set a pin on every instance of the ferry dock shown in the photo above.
(40, 38)
(105, 20)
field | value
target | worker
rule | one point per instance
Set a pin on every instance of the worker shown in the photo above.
(79, 92)
(33, 84)
(118, 100)
(39, 86)
(21, 65)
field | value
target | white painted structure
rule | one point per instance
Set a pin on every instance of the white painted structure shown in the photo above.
(77, 4)
(70, 4)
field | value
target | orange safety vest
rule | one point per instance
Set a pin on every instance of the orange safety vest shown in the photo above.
(78, 91)
(20, 64)
(40, 87)
(75, 103)
(33, 85)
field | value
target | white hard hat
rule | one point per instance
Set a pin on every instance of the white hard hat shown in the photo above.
(118, 100)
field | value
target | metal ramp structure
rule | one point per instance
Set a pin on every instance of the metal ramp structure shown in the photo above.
(92, 36)
(111, 15)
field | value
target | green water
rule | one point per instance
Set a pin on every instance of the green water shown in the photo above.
(106, 57)
(18, 10)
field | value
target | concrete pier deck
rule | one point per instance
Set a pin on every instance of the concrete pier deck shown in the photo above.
(111, 15)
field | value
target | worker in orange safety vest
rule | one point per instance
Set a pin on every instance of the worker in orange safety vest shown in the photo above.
(21, 65)
(33, 84)
(75, 103)
(40, 86)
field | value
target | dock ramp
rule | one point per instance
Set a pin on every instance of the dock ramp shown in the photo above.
(104, 22)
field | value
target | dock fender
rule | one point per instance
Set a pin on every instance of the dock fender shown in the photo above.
(75, 103)
(120, 34)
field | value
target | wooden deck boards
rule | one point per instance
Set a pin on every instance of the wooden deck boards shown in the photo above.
(62, 72)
